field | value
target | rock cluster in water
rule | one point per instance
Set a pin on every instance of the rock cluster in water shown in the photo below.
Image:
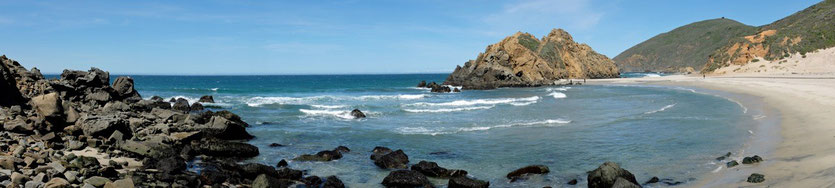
(81, 131)
(522, 60)
(437, 88)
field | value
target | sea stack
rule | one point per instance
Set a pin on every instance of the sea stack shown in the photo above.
(522, 60)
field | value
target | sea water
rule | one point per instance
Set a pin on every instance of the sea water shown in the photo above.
(651, 131)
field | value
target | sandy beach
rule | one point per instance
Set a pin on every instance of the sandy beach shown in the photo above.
(801, 155)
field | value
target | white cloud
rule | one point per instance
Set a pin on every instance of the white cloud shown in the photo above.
(574, 14)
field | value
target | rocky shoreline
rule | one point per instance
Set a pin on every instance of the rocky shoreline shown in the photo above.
(82, 131)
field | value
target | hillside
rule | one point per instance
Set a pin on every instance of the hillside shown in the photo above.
(523, 60)
(806, 31)
(684, 49)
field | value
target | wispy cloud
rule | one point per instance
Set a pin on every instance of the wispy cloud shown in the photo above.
(576, 14)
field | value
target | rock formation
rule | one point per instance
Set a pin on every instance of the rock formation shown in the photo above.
(522, 60)
(79, 131)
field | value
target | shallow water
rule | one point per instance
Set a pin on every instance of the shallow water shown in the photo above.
(651, 131)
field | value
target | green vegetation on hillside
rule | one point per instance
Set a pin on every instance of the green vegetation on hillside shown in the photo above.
(528, 42)
(686, 46)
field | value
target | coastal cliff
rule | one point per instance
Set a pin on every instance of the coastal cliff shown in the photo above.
(522, 60)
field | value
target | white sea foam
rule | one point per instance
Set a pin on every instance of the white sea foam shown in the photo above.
(479, 102)
(652, 75)
(557, 95)
(328, 113)
(215, 89)
(259, 101)
(662, 109)
(328, 106)
(448, 109)
(441, 131)
(557, 89)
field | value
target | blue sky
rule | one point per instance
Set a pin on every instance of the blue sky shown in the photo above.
(331, 37)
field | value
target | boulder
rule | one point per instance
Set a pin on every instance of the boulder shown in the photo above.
(220, 148)
(752, 160)
(572, 182)
(422, 83)
(197, 107)
(756, 178)
(397, 159)
(122, 183)
(124, 89)
(181, 105)
(254, 169)
(206, 99)
(222, 128)
(10, 95)
(431, 169)
(533, 169)
(327, 155)
(465, 182)
(732, 163)
(103, 126)
(333, 182)
(607, 174)
(357, 113)
(48, 105)
(264, 181)
(406, 178)
(282, 163)
(18, 125)
(379, 151)
(97, 181)
(624, 183)
(652, 180)
(157, 98)
(57, 183)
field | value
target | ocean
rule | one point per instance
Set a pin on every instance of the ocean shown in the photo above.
(651, 131)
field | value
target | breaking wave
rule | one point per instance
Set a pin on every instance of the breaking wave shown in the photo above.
(662, 109)
(448, 109)
(511, 101)
(441, 131)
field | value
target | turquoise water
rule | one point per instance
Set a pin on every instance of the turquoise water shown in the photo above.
(651, 131)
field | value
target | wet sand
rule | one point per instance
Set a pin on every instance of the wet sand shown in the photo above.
(797, 148)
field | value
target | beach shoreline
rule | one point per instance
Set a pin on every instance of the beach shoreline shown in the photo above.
(798, 102)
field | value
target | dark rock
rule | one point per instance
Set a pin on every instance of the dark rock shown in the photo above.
(287, 173)
(276, 145)
(397, 159)
(282, 163)
(624, 183)
(9, 71)
(723, 157)
(652, 180)
(157, 98)
(756, 178)
(220, 148)
(181, 105)
(732, 163)
(752, 160)
(327, 155)
(124, 89)
(357, 113)
(172, 100)
(456, 90)
(207, 99)
(254, 169)
(333, 182)
(422, 83)
(607, 174)
(265, 181)
(167, 165)
(406, 178)
(379, 151)
(431, 169)
(572, 182)
(197, 107)
(312, 181)
(465, 182)
(533, 169)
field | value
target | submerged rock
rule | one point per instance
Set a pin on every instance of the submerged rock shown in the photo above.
(422, 83)
(607, 174)
(723, 157)
(432, 169)
(327, 155)
(465, 182)
(356, 113)
(533, 169)
(732, 163)
(756, 178)
(752, 160)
